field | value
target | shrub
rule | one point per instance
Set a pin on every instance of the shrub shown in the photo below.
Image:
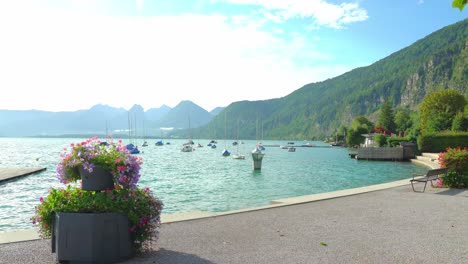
(141, 207)
(395, 141)
(380, 140)
(440, 141)
(455, 180)
(456, 159)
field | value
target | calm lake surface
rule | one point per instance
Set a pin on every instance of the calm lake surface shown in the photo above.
(202, 180)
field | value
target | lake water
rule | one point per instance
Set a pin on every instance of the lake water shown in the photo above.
(202, 180)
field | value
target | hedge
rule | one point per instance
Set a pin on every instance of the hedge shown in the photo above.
(439, 142)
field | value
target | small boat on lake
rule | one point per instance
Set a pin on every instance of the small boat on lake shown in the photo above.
(225, 153)
(187, 148)
(238, 156)
(135, 150)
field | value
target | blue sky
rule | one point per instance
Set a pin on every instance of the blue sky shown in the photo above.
(66, 55)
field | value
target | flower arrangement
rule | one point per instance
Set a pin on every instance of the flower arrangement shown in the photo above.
(139, 205)
(90, 153)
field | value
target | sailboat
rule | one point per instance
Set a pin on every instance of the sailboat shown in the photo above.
(188, 147)
(145, 143)
(131, 147)
(237, 155)
(259, 145)
(160, 142)
(225, 152)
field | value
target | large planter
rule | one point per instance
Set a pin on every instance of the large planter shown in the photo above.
(98, 180)
(91, 237)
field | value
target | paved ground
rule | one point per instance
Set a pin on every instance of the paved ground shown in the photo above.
(389, 226)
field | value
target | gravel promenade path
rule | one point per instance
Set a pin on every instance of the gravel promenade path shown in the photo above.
(394, 225)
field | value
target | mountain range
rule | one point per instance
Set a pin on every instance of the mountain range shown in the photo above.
(438, 61)
(101, 119)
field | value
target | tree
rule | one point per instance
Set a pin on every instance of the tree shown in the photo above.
(403, 121)
(354, 136)
(439, 108)
(361, 125)
(362, 121)
(460, 4)
(460, 122)
(386, 117)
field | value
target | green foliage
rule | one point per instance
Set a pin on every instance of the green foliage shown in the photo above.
(456, 159)
(360, 125)
(386, 117)
(395, 141)
(455, 180)
(403, 121)
(354, 136)
(362, 122)
(460, 122)
(439, 108)
(438, 142)
(460, 4)
(380, 140)
(140, 206)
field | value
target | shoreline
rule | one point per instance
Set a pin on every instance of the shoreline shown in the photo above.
(21, 235)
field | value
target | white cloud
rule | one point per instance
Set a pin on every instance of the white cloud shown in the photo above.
(321, 12)
(66, 61)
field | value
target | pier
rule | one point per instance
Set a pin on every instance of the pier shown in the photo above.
(8, 174)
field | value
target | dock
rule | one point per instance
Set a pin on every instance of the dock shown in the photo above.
(8, 174)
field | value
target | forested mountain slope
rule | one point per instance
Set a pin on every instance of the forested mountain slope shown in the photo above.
(438, 61)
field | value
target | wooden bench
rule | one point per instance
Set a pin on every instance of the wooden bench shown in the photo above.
(431, 175)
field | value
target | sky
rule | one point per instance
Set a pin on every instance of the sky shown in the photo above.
(68, 55)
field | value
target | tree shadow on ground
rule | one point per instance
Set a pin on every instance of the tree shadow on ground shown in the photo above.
(168, 256)
(454, 192)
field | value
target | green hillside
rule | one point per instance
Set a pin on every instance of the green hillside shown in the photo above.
(438, 61)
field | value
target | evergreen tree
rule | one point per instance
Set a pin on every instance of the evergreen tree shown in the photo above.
(386, 117)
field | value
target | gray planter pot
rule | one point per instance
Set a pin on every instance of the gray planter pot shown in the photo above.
(98, 180)
(91, 237)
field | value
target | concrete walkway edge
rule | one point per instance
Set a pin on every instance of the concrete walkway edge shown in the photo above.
(33, 234)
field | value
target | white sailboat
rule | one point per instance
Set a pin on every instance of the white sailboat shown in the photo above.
(145, 143)
(225, 152)
(188, 147)
(237, 155)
